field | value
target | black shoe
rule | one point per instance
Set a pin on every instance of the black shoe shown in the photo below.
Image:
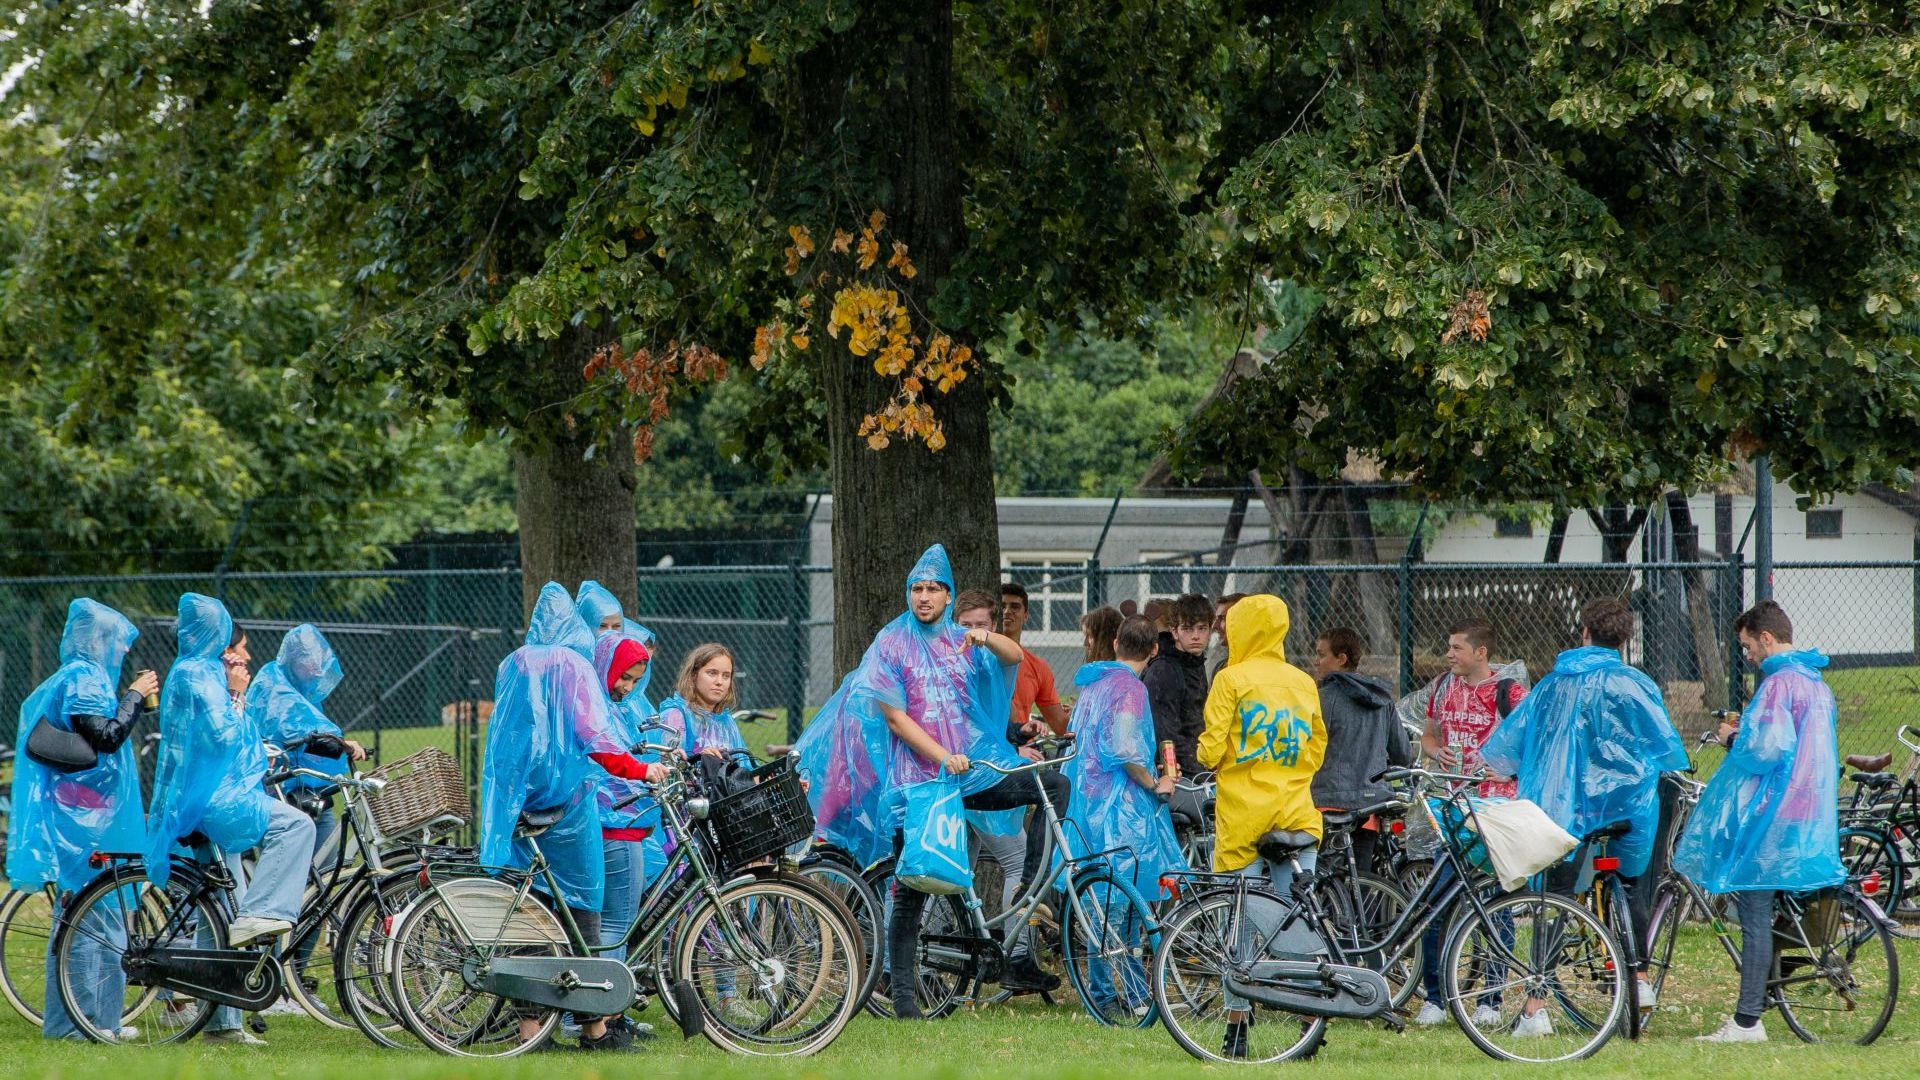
(1234, 1046)
(634, 1030)
(616, 1040)
(1023, 976)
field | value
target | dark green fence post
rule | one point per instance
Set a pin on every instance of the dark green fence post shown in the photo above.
(802, 602)
(1096, 586)
(1405, 578)
(1735, 592)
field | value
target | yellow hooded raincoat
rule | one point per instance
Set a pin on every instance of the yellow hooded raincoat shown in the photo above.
(1264, 737)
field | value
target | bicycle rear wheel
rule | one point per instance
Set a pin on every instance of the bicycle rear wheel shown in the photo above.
(1838, 979)
(1107, 937)
(943, 984)
(1868, 852)
(843, 880)
(785, 981)
(118, 915)
(26, 932)
(1536, 953)
(1198, 941)
(431, 950)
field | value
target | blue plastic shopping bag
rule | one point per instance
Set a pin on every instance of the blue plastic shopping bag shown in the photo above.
(934, 858)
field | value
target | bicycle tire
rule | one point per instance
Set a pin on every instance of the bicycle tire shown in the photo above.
(123, 898)
(1866, 850)
(428, 950)
(361, 980)
(26, 930)
(1582, 952)
(1619, 920)
(1196, 939)
(842, 879)
(939, 992)
(1107, 938)
(1866, 937)
(798, 1009)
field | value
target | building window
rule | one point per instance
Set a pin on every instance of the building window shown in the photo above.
(1823, 524)
(1167, 582)
(1056, 584)
(1513, 526)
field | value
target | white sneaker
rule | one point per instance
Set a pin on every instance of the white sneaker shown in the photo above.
(1430, 1015)
(1732, 1032)
(283, 1007)
(1649, 997)
(176, 1018)
(234, 1037)
(248, 929)
(1486, 1016)
(1533, 1025)
(127, 1034)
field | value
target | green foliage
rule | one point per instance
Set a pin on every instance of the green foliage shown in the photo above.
(1691, 224)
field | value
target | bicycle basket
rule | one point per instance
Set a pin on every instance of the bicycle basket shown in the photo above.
(761, 820)
(425, 793)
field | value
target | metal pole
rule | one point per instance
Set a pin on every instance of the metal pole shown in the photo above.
(1406, 601)
(1763, 529)
(797, 653)
(1736, 581)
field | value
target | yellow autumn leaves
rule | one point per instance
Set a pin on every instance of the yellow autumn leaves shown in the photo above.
(867, 307)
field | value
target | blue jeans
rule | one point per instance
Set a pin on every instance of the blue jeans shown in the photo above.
(1133, 991)
(620, 903)
(276, 888)
(98, 942)
(1432, 986)
(1262, 914)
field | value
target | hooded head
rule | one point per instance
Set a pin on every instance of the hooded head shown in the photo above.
(309, 662)
(934, 566)
(596, 604)
(1257, 627)
(613, 654)
(204, 628)
(556, 622)
(97, 634)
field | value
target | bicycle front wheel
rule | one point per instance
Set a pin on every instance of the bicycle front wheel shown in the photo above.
(431, 951)
(1838, 979)
(1107, 936)
(362, 984)
(1198, 943)
(1545, 975)
(26, 928)
(843, 880)
(776, 967)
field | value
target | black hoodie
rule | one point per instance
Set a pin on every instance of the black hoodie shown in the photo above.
(1364, 736)
(1177, 691)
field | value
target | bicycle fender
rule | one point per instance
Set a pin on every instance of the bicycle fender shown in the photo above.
(1313, 989)
(588, 986)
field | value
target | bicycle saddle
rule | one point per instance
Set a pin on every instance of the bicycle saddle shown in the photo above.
(1872, 779)
(1869, 763)
(1339, 819)
(1278, 845)
(1612, 831)
(534, 822)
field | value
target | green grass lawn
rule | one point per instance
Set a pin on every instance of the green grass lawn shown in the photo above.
(1026, 1041)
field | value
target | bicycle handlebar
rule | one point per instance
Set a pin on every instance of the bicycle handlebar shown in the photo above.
(1906, 742)
(1031, 766)
(1411, 773)
(352, 780)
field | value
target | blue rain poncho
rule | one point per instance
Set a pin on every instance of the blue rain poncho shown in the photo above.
(59, 819)
(1588, 745)
(1113, 728)
(207, 749)
(595, 604)
(283, 702)
(1769, 818)
(958, 693)
(697, 729)
(628, 716)
(549, 712)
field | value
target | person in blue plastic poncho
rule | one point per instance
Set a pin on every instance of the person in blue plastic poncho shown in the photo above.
(83, 800)
(927, 698)
(622, 664)
(1118, 803)
(1769, 818)
(1588, 746)
(699, 713)
(207, 789)
(284, 705)
(551, 724)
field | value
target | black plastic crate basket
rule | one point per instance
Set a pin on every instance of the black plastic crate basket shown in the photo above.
(762, 820)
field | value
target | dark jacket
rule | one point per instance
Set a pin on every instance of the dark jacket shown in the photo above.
(1364, 736)
(1177, 692)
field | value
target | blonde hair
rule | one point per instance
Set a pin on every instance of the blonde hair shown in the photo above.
(700, 657)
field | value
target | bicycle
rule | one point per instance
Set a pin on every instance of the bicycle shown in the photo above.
(1105, 928)
(1880, 831)
(1829, 950)
(762, 963)
(169, 941)
(1291, 969)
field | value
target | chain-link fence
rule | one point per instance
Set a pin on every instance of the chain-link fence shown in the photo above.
(420, 647)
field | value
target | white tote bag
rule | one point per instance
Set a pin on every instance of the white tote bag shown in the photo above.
(1521, 839)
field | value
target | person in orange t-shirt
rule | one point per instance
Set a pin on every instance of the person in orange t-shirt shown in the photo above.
(1033, 685)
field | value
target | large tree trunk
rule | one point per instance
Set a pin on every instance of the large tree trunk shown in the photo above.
(1618, 526)
(1707, 646)
(1378, 600)
(575, 510)
(890, 504)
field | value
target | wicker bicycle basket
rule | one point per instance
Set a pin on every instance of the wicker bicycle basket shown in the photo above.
(424, 792)
(761, 820)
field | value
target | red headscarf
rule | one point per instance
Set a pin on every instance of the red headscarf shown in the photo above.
(626, 654)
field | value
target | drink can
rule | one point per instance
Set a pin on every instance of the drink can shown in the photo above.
(1169, 763)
